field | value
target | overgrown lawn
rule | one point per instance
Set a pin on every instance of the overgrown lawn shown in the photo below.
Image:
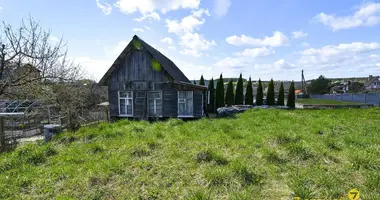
(262, 154)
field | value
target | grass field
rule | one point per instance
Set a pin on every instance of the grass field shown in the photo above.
(261, 154)
(324, 102)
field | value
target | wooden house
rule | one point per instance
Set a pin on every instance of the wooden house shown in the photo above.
(143, 83)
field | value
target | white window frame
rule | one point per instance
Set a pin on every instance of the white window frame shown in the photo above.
(184, 101)
(126, 100)
(154, 102)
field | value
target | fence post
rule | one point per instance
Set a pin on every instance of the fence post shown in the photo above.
(365, 98)
(352, 97)
(2, 133)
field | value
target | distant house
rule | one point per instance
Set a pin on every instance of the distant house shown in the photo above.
(373, 83)
(143, 83)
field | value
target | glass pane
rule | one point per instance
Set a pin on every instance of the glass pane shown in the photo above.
(129, 94)
(189, 107)
(123, 94)
(129, 102)
(181, 95)
(189, 95)
(181, 109)
(129, 110)
(122, 107)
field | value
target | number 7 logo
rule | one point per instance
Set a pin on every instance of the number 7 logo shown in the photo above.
(354, 194)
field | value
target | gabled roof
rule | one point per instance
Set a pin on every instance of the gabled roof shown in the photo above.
(165, 62)
(371, 80)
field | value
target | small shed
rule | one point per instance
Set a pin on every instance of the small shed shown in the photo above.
(143, 83)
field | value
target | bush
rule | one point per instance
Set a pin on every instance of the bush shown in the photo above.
(281, 96)
(291, 96)
(270, 94)
(239, 92)
(230, 93)
(219, 98)
(249, 93)
(259, 94)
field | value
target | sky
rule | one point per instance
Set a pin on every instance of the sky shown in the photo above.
(258, 38)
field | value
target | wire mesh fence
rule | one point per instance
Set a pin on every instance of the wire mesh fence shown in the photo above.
(365, 98)
(24, 119)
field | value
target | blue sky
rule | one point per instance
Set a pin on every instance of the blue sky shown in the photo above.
(260, 38)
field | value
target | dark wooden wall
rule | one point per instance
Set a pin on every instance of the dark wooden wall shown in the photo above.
(136, 74)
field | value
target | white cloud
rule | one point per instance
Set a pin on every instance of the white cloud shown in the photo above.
(150, 16)
(331, 50)
(305, 44)
(366, 15)
(282, 64)
(1, 8)
(234, 62)
(105, 7)
(278, 39)
(299, 34)
(116, 49)
(257, 52)
(194, 44)
(54, 39)
(199, 13)
(138, 30)
(147, 28)
(341, 58)
(187, 24)
(167, 40)
(221, 7)
(148, 6)
(95, 68)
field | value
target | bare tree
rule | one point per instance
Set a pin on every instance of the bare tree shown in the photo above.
(29, 55)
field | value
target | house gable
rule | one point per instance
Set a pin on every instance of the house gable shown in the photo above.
(136, 45)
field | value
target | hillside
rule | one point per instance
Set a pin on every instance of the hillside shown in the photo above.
(262, 154)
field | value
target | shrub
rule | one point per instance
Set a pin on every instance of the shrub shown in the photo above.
(230, 93)
(219, 98)
(291, 96)
(211, 89)
(281, 95)
(249, 93)
(259, 94)
(270, 93)
(239, 92)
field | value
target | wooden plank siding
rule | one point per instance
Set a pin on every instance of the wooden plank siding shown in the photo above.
(135, 73)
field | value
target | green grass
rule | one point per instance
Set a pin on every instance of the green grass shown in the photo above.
(262, 154)
(324, 102)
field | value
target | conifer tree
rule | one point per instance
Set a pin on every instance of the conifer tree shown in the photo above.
(270, 93)
(291, 96)
(230, 93)
(202, 81)
(259, 94)
(281, 95)
(211, 89)
(239, 92)
(195, 82)
(219, 97)
(249, 93)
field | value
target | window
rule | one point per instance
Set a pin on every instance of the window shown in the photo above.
(185, 103)
(126, 103)
(155, 104)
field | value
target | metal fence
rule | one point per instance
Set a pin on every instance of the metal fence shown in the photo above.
(15, 126)
(366, 98)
